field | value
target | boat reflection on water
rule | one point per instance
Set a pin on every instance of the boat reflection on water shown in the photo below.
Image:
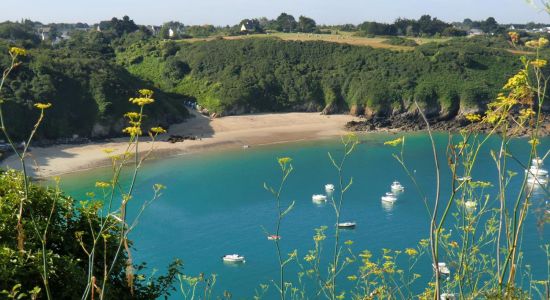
(388, 206)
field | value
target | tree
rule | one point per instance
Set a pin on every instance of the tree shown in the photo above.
(306, 24)
(286, 23)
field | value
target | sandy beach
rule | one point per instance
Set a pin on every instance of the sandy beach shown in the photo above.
(219, 133)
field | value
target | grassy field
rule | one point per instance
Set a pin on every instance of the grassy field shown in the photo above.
(341, 37)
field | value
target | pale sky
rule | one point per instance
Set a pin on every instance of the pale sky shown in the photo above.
(224, 12)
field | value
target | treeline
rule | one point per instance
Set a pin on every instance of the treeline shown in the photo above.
(427, 26)
(261, 75)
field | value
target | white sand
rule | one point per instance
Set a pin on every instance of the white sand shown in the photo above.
(226, 132)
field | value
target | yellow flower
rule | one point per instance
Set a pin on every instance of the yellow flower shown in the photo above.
(132, 115)
(411, 252)
(473, 117)
(539, 63)
(309, 257)
(453, 244)
(158, 130)
(284, 160)
(514, 36)
(395, 142)
(42, 105)
(16, 51)
(108, 150)
(348, 242)
(532, 44)
(133, 131)
(543, 42)
(352, 278)
(102, 184)
(146, 93)
(142, 101)
(534, 141)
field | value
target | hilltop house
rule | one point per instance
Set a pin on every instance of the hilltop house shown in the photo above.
(248, 27)
(155, 30)
(45, 33)
(475, 32)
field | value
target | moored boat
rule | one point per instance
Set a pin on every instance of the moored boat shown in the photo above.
(233, 258)
(470, 206)
(389, 197)
(397, 187)
(273, 237)
(443, 269)
(347, 225)
(319, 198)
(329, 187)
(465, 178)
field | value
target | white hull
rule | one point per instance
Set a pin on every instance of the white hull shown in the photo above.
(234, 258)
(319, 198)
(389, 199)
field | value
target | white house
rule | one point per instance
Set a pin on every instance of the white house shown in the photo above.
(171, 33)
(475, 32)
(44, 33)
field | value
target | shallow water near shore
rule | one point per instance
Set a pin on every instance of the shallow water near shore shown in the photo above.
(215, 204)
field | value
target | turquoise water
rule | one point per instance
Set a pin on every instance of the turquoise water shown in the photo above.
(215, 204)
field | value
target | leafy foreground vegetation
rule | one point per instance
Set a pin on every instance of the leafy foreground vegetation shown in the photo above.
(261, 75)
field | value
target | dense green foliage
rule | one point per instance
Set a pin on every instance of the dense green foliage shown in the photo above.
(66, 240)
(89, 92)
(399, 41)
(271, 75)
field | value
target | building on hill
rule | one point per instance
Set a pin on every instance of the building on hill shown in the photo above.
(248, 26)
(476, 32)
(45, 33)
(155, 30)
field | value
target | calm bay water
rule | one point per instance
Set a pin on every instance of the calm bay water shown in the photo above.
(215, 204)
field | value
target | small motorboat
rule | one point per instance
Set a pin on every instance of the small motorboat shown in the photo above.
(465, 178)
(233, 258)
(329, 188)
(536, 171)
(448, 296)
(397, 187)
(319, 198)
(273, 237)
(389, 197)
(348, 225)
(470, 206)
(443, 269)
(537, 180)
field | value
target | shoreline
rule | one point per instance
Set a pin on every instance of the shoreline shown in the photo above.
(232, 132)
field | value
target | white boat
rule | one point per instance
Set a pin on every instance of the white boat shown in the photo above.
(389, 197)
(537, 180)
(470, 206)
(274, 237)
(447, 296)
(397, 187)
(443, 269)
(329, 187)
(234, 258)
(536, 171)
(465, 178)
(537, 162)
(347, 225)
(319, 198)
